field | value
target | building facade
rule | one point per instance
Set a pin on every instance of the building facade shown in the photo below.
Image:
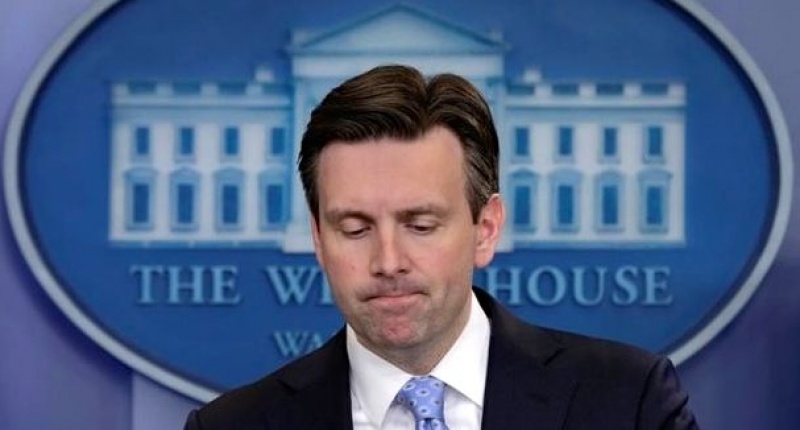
(212, 164)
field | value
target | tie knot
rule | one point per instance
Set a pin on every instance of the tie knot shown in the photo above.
(424, 397)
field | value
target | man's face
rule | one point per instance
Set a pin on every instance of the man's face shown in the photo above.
(397, 241)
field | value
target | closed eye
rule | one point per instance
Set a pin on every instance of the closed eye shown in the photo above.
(422, 229)
(354, 233)
(353, 228)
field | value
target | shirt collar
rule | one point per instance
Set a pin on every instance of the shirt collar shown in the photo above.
(375, 382)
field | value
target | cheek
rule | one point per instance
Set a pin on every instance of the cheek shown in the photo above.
(336, 253)
(452, 264)
(342, 282)
(348, 262)
(341, 266)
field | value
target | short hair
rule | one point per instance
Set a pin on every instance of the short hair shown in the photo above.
(396, 101)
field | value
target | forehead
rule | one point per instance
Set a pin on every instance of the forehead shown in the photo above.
(368, 170)
(436, 142)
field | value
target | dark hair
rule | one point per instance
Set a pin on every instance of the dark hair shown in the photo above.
(398, 102)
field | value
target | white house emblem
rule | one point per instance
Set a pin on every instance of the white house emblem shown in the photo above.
(152, 188)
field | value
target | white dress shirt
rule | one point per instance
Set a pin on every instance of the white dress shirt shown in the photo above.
(374, 382)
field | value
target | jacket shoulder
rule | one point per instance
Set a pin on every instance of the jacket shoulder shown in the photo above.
(641, 388)
(596, 353)
(268, 402)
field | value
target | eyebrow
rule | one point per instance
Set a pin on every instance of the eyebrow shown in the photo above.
(427, 209)
(334, 216)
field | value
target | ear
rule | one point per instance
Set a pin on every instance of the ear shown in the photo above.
(315, 233)
(489, 226)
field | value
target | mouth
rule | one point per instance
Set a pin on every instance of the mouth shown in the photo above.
(394, 299)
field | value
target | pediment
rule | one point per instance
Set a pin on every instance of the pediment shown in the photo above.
(397, 29)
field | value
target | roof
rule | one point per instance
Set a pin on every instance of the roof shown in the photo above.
(399, 28)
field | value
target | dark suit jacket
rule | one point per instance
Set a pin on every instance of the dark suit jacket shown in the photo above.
(537, 378)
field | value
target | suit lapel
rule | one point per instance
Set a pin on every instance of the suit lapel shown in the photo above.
(523, 390)
(322, 389)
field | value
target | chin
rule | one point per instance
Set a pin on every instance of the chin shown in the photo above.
(395, 340)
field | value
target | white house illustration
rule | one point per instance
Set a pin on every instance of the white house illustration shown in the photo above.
(212, 164)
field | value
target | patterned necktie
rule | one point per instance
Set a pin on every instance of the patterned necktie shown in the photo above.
(424, 397)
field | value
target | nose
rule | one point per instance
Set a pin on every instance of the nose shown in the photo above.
(388, 258)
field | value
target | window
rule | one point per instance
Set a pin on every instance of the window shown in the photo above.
(609, 207)
(524, 200)
(654, 205)
(522, 144)
(274, 199)
(521, 89)
(608, 201)
(185, 204)
(609, 89)
(274, 196)
(230, 204)
(654, 145)
(566, 89)
(564, 149)
(184, 186)
(654, 189)
(565, 204)
(277, 143)
(139, 190)
(230, 143)
(655, 89)
(187, 88)
(184, 150)
(229, 199)
(522, 205)
(141, 87)
(141, 203)
(232, 88)
(565, 200)
(141, 143)
(610, 145)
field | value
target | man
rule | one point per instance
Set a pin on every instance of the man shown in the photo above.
(400, 175)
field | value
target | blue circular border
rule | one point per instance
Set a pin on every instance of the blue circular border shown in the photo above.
(163, 375)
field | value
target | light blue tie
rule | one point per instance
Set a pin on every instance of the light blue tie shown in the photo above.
(424, 397)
